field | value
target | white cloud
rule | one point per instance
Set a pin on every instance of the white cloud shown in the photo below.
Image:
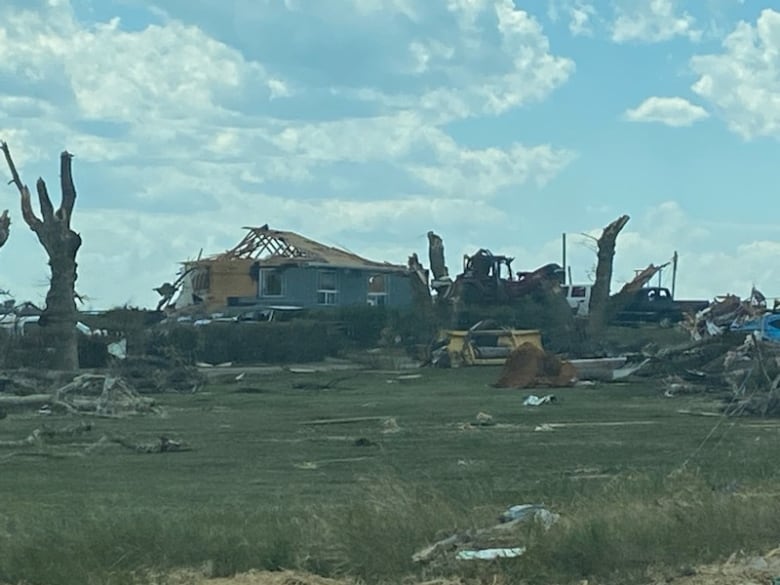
(519, 70)
(278, 89)
(743, 82)
(672, 111)
(652, 21)
(181, 138)
(711, 261)
(491, 169)
(580, 15)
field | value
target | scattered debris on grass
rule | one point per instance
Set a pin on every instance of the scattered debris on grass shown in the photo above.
(500, 540)
(525, 512)
(23, 382)
(404, 379)
(78, 441)
(544, 428)
(390, 425)
(345, 421)
(87, 394)
(317, 464)
(154, 375)
(162, 445)
(250, 390)
(738, 569)
(43, 435)
(490, 554)
(329, 385)
(485, 420)
(744, 370)
(534, 400)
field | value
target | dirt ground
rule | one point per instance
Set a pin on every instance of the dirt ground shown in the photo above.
(253, 578)
(740, 569)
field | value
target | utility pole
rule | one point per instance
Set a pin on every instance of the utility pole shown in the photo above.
(563, 245)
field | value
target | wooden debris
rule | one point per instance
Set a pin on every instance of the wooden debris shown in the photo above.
(329, 385)
(344, 421)
(93, 394)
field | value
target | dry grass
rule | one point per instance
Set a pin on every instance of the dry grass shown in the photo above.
(244, 499)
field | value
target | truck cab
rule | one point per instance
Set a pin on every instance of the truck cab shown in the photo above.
(651, 304)
(578, 297)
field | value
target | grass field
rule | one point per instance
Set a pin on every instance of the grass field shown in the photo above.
(637, 484)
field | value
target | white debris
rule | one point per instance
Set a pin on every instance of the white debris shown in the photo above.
(489, 554)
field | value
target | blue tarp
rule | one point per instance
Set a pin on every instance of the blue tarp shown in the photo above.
(767, 325)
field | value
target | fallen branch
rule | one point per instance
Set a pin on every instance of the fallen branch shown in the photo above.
(344, 421)
(45, 435)
(162, 445)
(90, 394)
(321, 385)
(30, 401)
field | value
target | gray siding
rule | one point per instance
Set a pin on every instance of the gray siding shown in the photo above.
(300, 286)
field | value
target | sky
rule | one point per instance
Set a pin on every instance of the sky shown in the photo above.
(499, 124)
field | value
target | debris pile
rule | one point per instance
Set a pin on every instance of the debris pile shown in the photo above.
(531, 367)
(724, 313)
(90, 394)
(78, 441)
(152, 375)
(100, 395)
(22, 381)
(502, 540)
(745, 369)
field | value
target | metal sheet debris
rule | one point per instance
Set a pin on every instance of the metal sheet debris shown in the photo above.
(490, 554)
(534, 400)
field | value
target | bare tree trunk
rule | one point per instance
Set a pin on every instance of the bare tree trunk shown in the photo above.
(61, 244)
(5, 226)
(436, 257)
(599, 296)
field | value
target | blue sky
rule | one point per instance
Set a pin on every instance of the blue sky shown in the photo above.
(365, 123)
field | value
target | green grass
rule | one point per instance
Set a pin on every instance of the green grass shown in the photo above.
(262, 489)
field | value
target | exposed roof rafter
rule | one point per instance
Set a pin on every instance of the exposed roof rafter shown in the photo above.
(276, 247)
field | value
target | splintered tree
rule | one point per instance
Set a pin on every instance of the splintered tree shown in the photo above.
(5, 226)
(61, 243)
(599, 296)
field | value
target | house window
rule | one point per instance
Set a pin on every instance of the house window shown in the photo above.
(270, 283)
(377, 293)
(327, 291)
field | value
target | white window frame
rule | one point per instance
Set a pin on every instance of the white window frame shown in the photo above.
(327, 296)
(377, 299)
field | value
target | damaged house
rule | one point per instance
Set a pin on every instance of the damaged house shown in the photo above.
(273, 268)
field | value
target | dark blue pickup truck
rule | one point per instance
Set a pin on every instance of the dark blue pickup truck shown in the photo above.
(655, 304)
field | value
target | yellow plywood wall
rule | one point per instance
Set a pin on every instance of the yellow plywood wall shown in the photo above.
(230, 278)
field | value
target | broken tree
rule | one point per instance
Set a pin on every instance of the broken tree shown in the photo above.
(5, 224)
(61, 244)
(436, 257)
(599, 299)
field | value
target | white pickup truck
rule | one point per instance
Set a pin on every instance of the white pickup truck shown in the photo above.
(578, 297)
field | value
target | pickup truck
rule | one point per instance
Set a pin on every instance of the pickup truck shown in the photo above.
(654, 304)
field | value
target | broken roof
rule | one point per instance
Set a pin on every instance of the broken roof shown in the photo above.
(276, 247)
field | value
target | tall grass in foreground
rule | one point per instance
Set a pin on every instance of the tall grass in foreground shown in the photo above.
(664, 524)
(613, 535)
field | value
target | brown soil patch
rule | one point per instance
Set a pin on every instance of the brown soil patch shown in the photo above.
(531, 367)
(256, 578)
